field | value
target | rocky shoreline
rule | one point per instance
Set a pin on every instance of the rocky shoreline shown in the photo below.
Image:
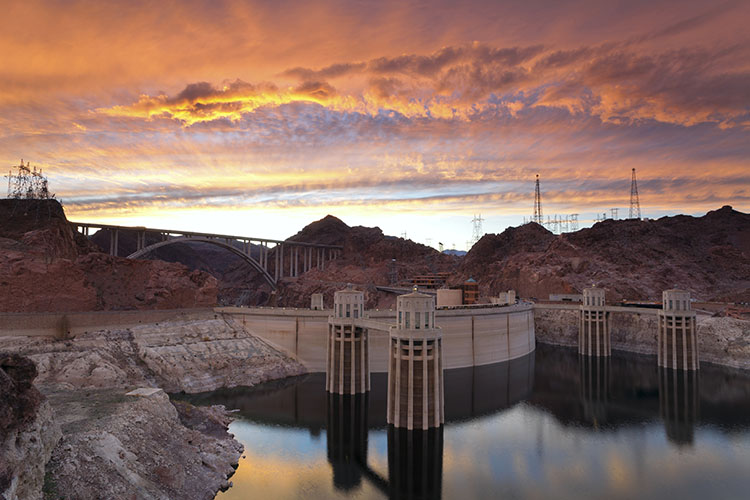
(99, 439)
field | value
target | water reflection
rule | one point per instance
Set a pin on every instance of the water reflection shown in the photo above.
(415, 458)
(594, 387)
(415, 463)
(346, 434)
(678, 404)
(303, 402)
(548, 425)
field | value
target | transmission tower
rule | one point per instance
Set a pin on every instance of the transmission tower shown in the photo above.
(29, 183)
(635, 205)
(574, 222)
(477, 232)
(538, 204)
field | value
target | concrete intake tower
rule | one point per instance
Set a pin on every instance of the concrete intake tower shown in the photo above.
(593, 335)
(347, 358)
(678, 346)
(415, 365)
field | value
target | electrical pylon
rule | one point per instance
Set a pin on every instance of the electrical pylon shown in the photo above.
(635, 204)
(477, 233)
(538, 204)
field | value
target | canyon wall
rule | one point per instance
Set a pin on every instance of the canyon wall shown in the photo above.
(721, 340)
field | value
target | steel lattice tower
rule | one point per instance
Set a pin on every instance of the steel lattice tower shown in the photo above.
(477, 233)
(538, 204)
(635, 205)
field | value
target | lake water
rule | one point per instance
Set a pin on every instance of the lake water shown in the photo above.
(549, 425)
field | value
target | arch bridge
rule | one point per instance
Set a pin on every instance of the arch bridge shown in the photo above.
(274, 259)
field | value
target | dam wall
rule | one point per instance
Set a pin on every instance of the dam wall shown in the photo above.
(473, 336)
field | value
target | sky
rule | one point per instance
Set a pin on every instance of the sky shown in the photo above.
(256, 118)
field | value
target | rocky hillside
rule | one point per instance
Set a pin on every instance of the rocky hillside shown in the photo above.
(234, 276)
(632, 259)
(367, 259)
(45, 265)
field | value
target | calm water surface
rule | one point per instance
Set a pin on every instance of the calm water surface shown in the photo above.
(549, 425)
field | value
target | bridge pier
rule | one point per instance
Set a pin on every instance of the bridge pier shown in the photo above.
(276, 263)
(593, 333)
(678, 346)
(113, 242)
(295, 272)
(347, 358)
(140, 241)
(415, 367)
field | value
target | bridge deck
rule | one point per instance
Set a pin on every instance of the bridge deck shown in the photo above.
(202, 235)
(300, 256)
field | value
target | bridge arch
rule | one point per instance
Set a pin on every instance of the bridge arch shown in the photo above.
(188, 239)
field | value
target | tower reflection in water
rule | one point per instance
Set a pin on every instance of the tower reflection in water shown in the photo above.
(347, 439)
(415, 463)
(679, 403)
(594, 387)
(415, 458)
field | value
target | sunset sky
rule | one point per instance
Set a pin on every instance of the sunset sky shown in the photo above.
(258, 117)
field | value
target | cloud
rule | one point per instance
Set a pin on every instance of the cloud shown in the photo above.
(332, 71)
(391, 104)
(619, 83)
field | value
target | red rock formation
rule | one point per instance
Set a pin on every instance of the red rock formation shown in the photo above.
(632, 259)
(45, 265)
(366, 261)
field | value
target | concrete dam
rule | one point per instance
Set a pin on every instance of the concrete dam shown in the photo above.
(472, 336)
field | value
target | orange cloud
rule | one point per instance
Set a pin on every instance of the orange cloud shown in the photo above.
(143, 107)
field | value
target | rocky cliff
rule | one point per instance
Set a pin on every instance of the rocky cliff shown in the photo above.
(367, 260)
(28, 431)
(631, 259)
(177, 356)
(45, 265)
(121, 445)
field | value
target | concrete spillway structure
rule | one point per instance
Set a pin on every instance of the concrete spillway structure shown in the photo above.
(678, 345)
(347, 354)
(593, 335)
(415, 367)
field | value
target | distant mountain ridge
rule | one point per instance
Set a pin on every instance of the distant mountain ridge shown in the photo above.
(631, 259)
